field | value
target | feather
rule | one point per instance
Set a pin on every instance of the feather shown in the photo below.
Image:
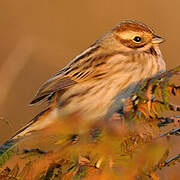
(54, 84)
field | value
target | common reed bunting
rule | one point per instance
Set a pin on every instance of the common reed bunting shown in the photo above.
(96, 82)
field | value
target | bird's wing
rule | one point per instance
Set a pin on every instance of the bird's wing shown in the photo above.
(76, 71)
(65, 78)
(58, 82)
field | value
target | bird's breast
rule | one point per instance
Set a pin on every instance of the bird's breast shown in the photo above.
(97, 97)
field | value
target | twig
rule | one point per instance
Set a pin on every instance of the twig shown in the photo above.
(36, 150)
(167, 120)
(174, 107)
(171, 160)
(175, 132)
(167, 163)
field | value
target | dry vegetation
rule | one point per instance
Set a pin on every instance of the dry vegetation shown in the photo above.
(133, 145)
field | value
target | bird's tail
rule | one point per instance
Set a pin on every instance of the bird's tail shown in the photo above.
(21, 134)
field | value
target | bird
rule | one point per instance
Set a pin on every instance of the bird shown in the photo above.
(96, 82)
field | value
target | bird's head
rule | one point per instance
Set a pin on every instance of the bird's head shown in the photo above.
(133, 36)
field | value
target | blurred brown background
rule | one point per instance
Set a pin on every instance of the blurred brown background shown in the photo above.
(38, 37)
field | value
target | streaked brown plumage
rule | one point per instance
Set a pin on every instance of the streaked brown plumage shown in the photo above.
(95, 82)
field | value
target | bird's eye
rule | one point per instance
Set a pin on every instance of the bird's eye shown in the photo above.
(137, 39)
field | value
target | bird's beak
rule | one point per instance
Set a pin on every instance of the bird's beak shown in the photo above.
(157, 40)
